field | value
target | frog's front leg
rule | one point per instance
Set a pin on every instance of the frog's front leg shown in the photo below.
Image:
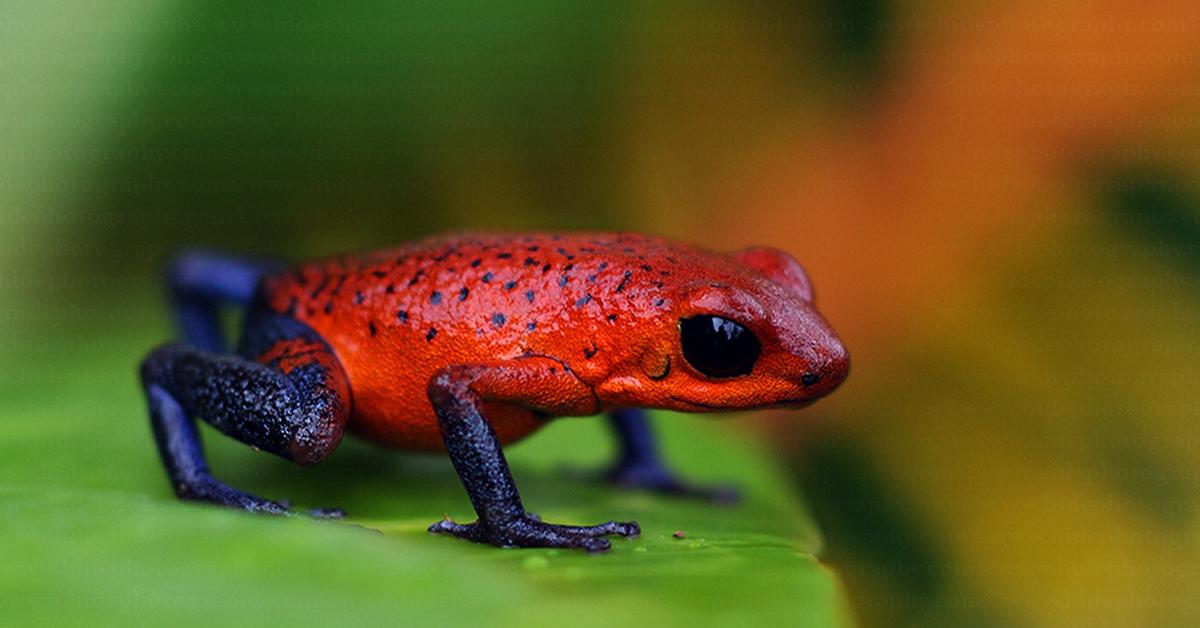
(459, 395)
(640, 463)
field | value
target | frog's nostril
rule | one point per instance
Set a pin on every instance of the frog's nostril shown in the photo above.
(826, 373)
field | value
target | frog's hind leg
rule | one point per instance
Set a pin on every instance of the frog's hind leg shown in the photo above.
(199, 282)
(640, 462)
(292, 399)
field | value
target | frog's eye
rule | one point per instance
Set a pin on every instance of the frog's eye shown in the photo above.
(718, 347)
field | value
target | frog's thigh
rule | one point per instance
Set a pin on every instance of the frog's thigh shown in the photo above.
(292, 401)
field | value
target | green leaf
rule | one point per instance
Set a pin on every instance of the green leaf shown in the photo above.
(92, 534)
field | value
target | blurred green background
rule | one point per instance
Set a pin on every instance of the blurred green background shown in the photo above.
(997, 202)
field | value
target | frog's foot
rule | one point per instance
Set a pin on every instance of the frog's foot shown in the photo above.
(655, 477)
(530, 531)
(213, 491)
(640, 463)
(210, 490)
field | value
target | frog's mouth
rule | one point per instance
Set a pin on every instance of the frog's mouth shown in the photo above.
(795, 402)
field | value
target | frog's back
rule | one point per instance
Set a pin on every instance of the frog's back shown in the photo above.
(394, 317)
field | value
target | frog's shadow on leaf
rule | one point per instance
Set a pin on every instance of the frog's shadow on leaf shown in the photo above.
(374, 483)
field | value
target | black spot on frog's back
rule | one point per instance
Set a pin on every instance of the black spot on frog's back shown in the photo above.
(320, 287)
(624, 281)
(417, 277)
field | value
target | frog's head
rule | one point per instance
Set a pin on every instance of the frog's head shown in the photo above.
(747, 338)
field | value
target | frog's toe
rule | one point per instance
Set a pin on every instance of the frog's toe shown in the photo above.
(660, 479)
(327, 513)
(722, 494)
(213, 491)
(469, 531)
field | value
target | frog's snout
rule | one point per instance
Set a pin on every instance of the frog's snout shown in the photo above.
(826, 371)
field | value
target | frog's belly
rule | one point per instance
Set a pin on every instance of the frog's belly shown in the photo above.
(389, 367)
(401, 416)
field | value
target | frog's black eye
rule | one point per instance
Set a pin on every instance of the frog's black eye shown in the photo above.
(718, 347)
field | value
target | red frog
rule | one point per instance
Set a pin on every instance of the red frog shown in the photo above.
(468, 342)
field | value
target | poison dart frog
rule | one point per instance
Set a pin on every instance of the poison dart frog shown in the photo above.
(466, 343)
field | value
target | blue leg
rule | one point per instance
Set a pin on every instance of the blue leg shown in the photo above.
(199, 283)
(480, 463)
(292, 401)
(288, 395)
(183, 458)
(640, 463)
